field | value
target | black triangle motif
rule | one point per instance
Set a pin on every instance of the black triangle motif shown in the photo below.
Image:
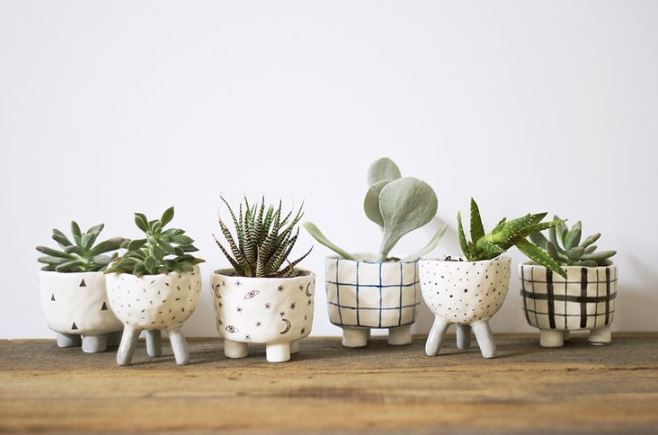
(104, 307)
(82, 283)
(74, 326)
(52, 298)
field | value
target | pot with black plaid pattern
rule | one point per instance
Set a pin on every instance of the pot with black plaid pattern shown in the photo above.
(467, 294)
(584, 300)
(364, 295)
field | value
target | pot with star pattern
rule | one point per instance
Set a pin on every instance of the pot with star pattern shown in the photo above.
(277, 312)
(75, 305)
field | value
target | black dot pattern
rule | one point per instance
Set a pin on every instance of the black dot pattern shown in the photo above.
(465, 292)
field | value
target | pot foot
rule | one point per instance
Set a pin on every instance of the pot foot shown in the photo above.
(127, 346)
(154, 343)
(600, 336)
(551, 338)
(277, 352)
(179, 346)
(566, 335)
(94, 343)
(294, 346)
(355, 337)
(235, 349)
(399, 336)
(435, 337)
(68, 340)
(485, 338)
(463, 336)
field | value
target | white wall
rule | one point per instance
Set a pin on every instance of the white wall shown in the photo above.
(111, 107)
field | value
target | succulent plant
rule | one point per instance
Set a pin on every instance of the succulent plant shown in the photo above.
(161, 251)
(485, 246)
(81, 255)
(397, 204)
(566, 248)
(263, 240)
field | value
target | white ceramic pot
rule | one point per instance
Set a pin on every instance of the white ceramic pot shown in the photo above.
(585, 300)
(76, 307)
(153, 303)
(466, 293)
(277, 312)
(371, 294)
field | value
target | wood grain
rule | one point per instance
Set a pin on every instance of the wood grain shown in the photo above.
(327, 388)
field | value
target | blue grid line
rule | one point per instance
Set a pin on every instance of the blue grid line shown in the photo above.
(380, 295)
(373, 308)
(373, 285)
(401, 282)
(340, 315)
(357, 293)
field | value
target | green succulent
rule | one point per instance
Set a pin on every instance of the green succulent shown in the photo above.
(397, 204)
(485, 246)
(161, 251)
(263, 240)
(566, 248)
(81, 255)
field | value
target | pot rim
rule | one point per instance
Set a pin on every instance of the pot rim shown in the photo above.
(226, 272)
(54, 272)
(465, 261)
(399, 260)
(196, 269)
(611, 265)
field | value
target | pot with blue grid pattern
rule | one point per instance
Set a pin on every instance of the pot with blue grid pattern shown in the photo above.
(364, 295)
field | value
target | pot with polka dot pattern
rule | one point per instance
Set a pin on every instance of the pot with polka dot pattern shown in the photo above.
(153, 303)
(276, 312)
(464, 293)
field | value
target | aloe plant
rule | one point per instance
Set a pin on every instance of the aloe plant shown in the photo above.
(80, 255)
(397, 204)
(566, 248)
(160, 251)
(485, 246)
(263, 240)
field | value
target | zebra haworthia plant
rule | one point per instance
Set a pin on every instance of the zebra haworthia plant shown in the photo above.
(397, 204)
(564, 245)
(159, 252)
(81, 254)
(486, 246)
(263, 240)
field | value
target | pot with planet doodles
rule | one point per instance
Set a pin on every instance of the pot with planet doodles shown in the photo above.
(276, 312)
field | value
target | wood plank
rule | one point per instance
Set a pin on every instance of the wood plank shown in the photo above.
(579, 388)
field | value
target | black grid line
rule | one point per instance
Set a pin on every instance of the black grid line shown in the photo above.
(349, 307)
(373, 285)
(381, 302)
(569, 298)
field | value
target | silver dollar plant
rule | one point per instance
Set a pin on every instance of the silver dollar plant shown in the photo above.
(397, 204)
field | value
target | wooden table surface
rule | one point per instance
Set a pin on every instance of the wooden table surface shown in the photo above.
(327, 388)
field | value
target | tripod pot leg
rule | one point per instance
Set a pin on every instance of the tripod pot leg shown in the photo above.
(484, 338)
(435, 337)
(154, 343)
(463, 336)
(127, 346)
(179, 346)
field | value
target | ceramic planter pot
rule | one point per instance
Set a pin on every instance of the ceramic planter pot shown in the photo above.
(466, 293)
(585, 300)
(153, 303)
(363, 295)
(76, 307)
(277, 312)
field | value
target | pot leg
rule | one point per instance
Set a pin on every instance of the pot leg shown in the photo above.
(94, 343)
(551, 338)
(400, 335)
(127, 346)
(235, 349)
(484, 338)
(435, 337)
(179, 346)
(277, 352)
(154, 343)
(600, 336)
(463, 336)
(68, 340)
(566, 335)
(294, 346)
(355, 337)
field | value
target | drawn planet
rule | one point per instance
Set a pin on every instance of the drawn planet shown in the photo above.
(231, 329)
(251, 294)
(288, 325)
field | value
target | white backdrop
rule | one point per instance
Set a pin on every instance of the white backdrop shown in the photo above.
(111, 107)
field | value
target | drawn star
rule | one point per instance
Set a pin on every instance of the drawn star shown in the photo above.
(292, 306)
(237, 283)
(267, 306)
(247, 337)
(309, 302)
(283, 313)
(239, 310)
(301, 288)
(258, 323)
(281, 288)
(303, 331)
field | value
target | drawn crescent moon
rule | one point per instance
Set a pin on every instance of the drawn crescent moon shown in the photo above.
(288, 326)
(308, 293)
